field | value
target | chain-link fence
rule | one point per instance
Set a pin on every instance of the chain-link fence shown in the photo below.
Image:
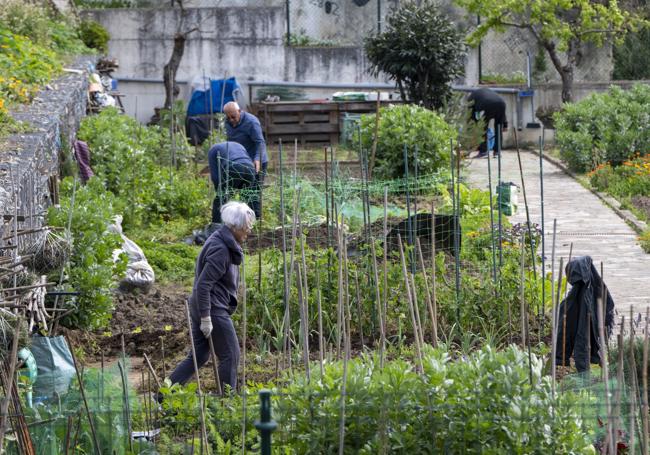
(334, 23)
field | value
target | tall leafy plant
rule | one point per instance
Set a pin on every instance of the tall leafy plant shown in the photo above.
(91, 271)
(414, 127)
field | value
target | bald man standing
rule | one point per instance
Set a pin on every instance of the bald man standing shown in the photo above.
(245, 129)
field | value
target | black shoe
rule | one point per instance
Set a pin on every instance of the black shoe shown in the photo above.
(481, 155)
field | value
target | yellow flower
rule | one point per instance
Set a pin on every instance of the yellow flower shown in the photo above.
(137, 330)
(168, 328)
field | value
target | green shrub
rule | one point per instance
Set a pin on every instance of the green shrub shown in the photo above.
(605, 127)
(92, 271)
(38, 23)
(484, 403)
(413, 126)
(94, 35)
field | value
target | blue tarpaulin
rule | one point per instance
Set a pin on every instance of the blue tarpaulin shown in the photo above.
(200, 103)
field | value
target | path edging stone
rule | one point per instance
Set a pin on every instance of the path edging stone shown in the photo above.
(630, 219)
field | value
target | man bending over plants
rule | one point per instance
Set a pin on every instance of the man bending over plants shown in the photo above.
(230, 169)
(486, 104)
(214, 296)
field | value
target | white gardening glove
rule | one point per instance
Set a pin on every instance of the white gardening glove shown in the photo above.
(206, 326)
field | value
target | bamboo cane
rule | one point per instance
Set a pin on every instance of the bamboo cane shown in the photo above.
(382, 327)
(303, 323)
(416, 307)
(602, 348)
(432, 315)
(244, 350)
(385, 261)
(320, 326)
(9, 384)
(204, 433)
(644, 372)
(434, 302)
(360, 313)
(522, 297)
(85, 401)
(635, 389)
(410, 303)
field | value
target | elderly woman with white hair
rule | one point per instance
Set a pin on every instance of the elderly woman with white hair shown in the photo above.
(214, 296)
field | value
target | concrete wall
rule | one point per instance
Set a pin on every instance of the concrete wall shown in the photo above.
(247, 41)
(28, 160)
(243, 42)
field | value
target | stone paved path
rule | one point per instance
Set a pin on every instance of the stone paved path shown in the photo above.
(582, 218)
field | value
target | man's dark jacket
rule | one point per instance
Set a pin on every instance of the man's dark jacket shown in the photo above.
(216, 278)
(581, 337)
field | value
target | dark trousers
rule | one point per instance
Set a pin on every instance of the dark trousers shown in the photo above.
(493, 111)
(255, 199)
(226, 346)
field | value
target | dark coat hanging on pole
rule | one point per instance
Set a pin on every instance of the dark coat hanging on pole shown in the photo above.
(579, 335)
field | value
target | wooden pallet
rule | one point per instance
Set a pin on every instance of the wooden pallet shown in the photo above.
(311, 123)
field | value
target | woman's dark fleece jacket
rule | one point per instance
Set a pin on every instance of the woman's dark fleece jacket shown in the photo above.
(217, 275)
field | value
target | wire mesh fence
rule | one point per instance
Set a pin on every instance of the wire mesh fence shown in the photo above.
(357, 408)
(334, 23)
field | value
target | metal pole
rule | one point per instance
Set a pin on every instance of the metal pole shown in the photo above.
(480, 59)
(378, 16)
(266, 425)
(500, 193)
(494, 258)
(456, 227)
(288, 6)
(541, 189)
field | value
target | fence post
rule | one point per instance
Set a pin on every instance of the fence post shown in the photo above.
(265, 425)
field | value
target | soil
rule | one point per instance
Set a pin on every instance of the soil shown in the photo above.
(144, 319)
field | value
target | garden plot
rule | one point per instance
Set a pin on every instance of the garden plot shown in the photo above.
(391, 342)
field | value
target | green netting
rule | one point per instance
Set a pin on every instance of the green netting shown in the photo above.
(62, 420)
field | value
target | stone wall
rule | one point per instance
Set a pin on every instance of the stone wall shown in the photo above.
(29, 161)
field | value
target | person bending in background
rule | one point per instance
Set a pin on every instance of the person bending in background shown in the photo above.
(214, 296)
(245, 129)
(230, 169)
(486, 104)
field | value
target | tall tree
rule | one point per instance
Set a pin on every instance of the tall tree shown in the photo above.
(421, 50)
(561, 27)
